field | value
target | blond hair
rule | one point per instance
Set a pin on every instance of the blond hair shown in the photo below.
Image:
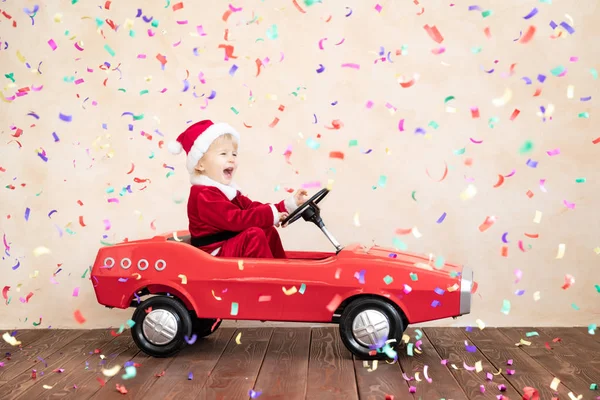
(218, 140)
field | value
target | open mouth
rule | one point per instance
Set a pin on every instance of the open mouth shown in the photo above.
(228, 172)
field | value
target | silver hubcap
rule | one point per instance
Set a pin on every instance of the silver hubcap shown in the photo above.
(370, 327)
(160, 327)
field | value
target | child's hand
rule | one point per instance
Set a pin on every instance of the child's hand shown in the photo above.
(300, 196)
(282, 216)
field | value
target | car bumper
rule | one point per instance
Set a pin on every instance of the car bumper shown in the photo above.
(466, 285)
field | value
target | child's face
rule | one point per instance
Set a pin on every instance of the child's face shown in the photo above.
(219, 163)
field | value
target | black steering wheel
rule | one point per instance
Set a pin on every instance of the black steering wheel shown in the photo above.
(308, 210)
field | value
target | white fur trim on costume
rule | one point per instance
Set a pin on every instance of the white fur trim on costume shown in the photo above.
(228, 190)
(174, 147)
(203, 142)
(275, 214)
(290, 204)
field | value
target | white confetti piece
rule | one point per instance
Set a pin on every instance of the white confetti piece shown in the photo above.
(10, 339)
(238, 338)
(561, 251)
(554, 384)
(538, 217)
(112, 371)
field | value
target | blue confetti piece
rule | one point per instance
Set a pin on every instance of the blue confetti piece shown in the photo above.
(302, 288)
(435, 303)
(27, 211)
(439, 291)
(55, 136)
(213, 94)
(531, 163)
(442, 218)
(360, 276)
(190, 376)
(233, 69)
(567, 27)
(527, 80)
(541, 78)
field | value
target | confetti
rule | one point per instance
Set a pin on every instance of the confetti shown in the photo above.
(234, 308)
(238, 338)
(79, 317)
(183, 279)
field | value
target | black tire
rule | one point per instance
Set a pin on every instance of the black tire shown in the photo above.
(395, 322)
(182, 318)
(202, 327)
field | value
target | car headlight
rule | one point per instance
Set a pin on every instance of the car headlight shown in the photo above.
(466, 285)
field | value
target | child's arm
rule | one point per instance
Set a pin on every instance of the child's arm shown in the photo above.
(288, 205)
(218, 211)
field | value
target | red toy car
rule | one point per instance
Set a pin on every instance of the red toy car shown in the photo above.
(372, 293)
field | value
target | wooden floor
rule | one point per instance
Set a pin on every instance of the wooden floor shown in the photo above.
(299, 363)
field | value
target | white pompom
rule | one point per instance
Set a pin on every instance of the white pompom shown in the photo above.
(175, 147)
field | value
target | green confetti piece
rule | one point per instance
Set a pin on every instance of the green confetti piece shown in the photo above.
(439, 262)
(131, 33)
(302, 289)
(69, 79)
(409, 349)
(580, 180)
(130, 323)
(145, 91)
(106, 243)
(234, 308)
(170, 173)
(575, 307)
(594, 386)
(414, 277)
(399, 244)
(69, 231)
(123, 192)
(151, 156)
(453, 274)
(309, 3)
(434, 125)
(419, 334)
(460, 151)
(404, 49)
(155, 23)
(179, 200)
(168, 4)
(533, 333)
(505, 307)
(447, 99)
(272, 32)
(353, 143)
(99, 22)
(10, 76)
(236, 112)
(594, 73)
(110, 51)
(413, 195)
(486, 13)
(527, 147)
(74, 1)
(492, 121)
(546, 1)
(313, 144)
(476, 50)
(66, 33)
(382, 181)
(557, 70)
(84, 273)
(597, 288)
(138, 117)
(110, 190)
(592, 329)
(584, 115)
(122, 90)
(388, 279)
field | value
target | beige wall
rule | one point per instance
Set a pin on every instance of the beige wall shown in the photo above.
(71, 174)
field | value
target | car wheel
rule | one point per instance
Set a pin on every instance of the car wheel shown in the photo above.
(367, 323)
(161, 331)
(203, 327)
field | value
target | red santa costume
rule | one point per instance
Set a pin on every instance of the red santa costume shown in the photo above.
(222, 221)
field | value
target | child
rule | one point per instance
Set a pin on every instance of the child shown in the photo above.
(224, 222)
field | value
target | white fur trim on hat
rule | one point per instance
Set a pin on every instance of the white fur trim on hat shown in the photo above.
(174, 147)
(203, 142)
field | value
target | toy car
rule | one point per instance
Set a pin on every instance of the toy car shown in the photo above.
(372, 293)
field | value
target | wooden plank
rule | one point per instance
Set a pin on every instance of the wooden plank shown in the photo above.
(27, 337)
(83, 382)
(385, 380)
(579, 341)
(449, 344)
(147, 368)
(560, 361)
(236, 371)
(330, 367)
(498, 349)
(198, 359)
(443, 384)
(68, 358)
(284, 371)
(43, 348)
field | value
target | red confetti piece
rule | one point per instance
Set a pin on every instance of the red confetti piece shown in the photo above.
(504, 251)
(78, 317)
(298, 7)
(258, 65)
(79, 202)
(274, 123)
(121, 389)
(161, 58)
(530, 393)
(336, 124)
(528, 35)
(529, 194)
(226, 15)
(514, 114)
(474, 112)
(500, 181)
(228, 50)
(336, 154)
(487, 32)
(532, 235)
(443, 176)
(81, 220)
(596, 141)
(107, 5)
(489, 221)
(433, 33)
(538, 91)
(177, 6)
(132, 168)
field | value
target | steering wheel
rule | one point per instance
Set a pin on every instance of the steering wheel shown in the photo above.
(310, 204)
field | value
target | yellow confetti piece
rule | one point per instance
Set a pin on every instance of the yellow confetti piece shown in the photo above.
(468, 193)
(478, 366)
(38, 251)
(20, 56)
(572, 396)
(504, 99)
(418, 377)
(523, 342)
(570, 91)
(536, 296)
(480, 324)
(36, 273)
(138, 276)
(405, 338)
(538, 217)
(375, 363)
(453, 288)
(238, 338)
(215, 296)
(561, 251)
(183, 279)
(554, 384)
(356, 220)
(111, 372)
(597, 250)
(47, 387)
(416, 233)
(290, 291)
(330, 184)
(241, 265)
(175, 237)
(58, 18)
(10, 339)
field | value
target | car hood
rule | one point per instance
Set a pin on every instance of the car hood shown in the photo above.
(391, 258)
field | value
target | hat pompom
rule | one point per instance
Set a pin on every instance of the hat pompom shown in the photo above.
(175, 147)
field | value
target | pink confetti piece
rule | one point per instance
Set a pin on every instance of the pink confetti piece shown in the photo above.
(351, 65)
(378, 8)
(369, 104)
(553, 152)
(482, 388)
(569, 205)
(76, 292)
(489, 376)
(200, 30)
(52, 44)
(113, 200)
(510, 371)
(264, 298)
(78, 81)
(401, 125)
(412, 389)
(502, 387)
(509, 362)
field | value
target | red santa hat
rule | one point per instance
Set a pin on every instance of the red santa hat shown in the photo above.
(197, 138)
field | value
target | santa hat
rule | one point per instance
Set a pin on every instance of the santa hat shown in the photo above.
(197, 138)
